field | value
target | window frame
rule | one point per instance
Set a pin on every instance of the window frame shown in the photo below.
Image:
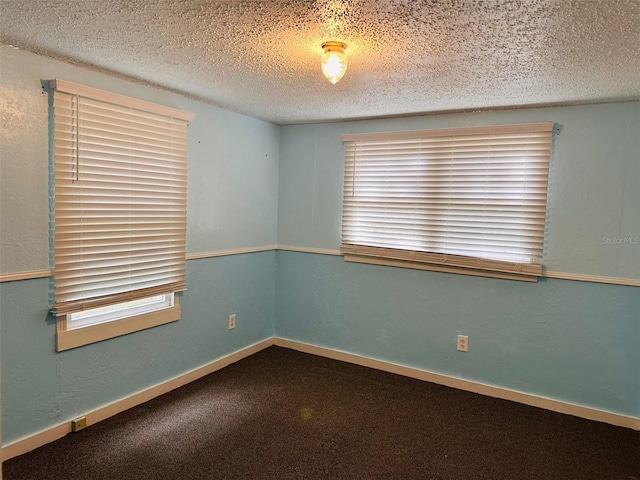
(67, 338)
(368, 234)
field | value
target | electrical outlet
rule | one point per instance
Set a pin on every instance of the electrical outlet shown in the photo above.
(463, 343)
(232, 321)
(78, 424)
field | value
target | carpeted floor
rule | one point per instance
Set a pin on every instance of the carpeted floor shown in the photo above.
(282, 414)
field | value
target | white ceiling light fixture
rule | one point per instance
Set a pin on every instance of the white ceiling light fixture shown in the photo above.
(334, 61)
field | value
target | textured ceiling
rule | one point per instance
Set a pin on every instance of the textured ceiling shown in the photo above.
(261, 57)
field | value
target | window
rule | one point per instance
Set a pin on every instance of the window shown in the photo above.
(120, 180)
(110, 313)
(464, 200)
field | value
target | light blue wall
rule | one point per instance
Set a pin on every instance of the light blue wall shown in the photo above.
(594, 192)
(233, 181)
(568, 340)
(232, 203)
(41, 388)
(571, 341)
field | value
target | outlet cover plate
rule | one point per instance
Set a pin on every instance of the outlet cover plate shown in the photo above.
(463, 343)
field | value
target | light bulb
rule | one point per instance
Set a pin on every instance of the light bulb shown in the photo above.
(334, 61)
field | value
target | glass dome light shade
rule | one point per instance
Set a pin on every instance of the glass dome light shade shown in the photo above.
(334, 61)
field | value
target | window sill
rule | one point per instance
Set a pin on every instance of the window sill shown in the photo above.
(440, 268)
(68, 339)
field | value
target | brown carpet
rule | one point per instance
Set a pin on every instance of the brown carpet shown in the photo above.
(282, 414)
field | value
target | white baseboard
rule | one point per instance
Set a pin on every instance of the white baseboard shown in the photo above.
(470, 386)
(51, 434)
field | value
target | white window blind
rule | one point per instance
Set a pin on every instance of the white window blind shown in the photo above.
(471, 198)
(120, 198)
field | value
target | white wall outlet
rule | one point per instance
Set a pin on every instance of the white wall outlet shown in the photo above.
(232, 321)
(463, 343)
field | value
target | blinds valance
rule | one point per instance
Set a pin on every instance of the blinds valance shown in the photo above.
(120, 198)
(466, 197)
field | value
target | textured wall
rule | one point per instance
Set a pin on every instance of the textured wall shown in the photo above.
(232, 203)
(24, 160)
(594, 194)
(233, 181)
(571, 341)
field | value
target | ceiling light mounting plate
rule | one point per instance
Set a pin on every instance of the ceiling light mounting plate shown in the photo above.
(333, 47)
